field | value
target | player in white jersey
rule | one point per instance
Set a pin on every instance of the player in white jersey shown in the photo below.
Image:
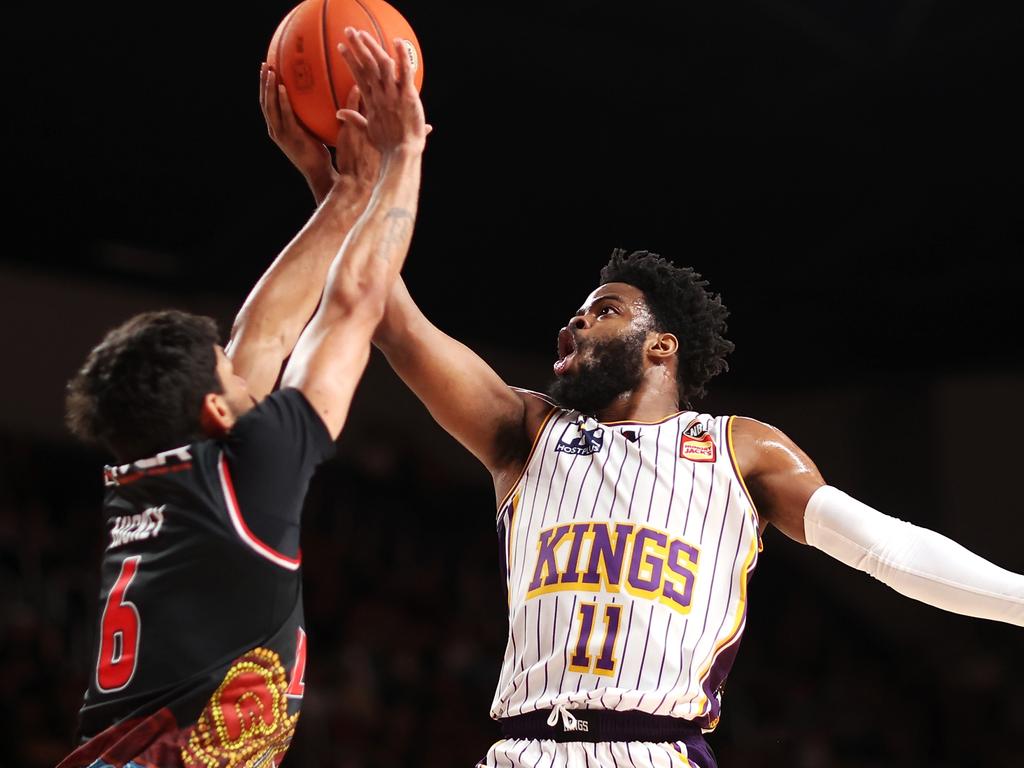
(630, 524)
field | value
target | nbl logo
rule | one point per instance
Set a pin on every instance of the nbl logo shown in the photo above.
(584, 438)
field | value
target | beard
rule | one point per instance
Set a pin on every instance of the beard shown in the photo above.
(611, 368)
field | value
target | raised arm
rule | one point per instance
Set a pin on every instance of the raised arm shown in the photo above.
(282, 302)
(791, 494)
(462, 392)
(332, 351)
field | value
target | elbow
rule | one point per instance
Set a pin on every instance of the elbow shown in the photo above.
(365, 300)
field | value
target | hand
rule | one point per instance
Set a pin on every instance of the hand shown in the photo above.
(302, 148)
(394, 113)
(356, 158)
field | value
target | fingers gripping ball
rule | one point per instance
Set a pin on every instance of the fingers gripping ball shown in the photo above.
(304, 54)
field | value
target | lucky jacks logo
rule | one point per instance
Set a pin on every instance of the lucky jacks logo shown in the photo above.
(697, 448)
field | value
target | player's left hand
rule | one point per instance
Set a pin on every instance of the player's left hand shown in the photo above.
(302, 148)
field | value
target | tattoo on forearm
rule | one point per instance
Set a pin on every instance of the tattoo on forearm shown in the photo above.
(397, 228)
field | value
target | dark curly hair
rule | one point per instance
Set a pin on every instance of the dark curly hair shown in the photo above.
(681, 304)
(141, 389)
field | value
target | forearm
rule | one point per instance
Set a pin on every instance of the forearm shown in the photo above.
(332, 352)
(466, 397)
(914, 561)
(375, 250)
(283, 300)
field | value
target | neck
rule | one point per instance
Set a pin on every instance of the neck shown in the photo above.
(655, 399)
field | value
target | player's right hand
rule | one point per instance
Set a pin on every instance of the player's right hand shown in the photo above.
(302, 148)
(394, 113)
(357, 159)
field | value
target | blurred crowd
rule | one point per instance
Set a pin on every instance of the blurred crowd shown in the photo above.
(406, 618)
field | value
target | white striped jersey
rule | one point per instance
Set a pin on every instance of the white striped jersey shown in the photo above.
(627, 548)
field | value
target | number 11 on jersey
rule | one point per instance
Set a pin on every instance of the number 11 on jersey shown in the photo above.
(581, 659)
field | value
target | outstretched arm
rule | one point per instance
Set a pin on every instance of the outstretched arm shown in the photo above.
(791, 494)
(332, 351)
(461, 391)
(282, 302)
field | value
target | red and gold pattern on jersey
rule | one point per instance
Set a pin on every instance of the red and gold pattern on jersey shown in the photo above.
(245, 724)
(246, 720)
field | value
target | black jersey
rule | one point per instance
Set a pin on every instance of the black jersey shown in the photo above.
(200, 651)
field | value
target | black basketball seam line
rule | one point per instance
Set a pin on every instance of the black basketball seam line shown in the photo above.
(376, 24)
(327, 55)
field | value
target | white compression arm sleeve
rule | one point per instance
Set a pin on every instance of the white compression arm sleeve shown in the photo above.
(914, 561)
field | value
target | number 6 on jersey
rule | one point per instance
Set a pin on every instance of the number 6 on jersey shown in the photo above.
(120, 628)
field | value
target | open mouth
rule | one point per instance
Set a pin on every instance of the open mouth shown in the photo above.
(566, 351)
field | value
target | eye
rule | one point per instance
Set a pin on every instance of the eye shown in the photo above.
(606, 309)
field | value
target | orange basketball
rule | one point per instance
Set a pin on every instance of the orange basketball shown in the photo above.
(304, 54)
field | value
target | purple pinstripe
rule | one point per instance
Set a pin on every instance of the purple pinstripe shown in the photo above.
(711, 492)
(561, 498)
(630, 755)
(647, 639)
(714, 572)
(600, 485)
(519, 757)
(661, 670)
(689, 501)
(622, 659)
(565, 663)
(636, 477)
(526, 677)
(732, 583)
(629, 509)
(675, 466)
(614, 488)
(540, 471)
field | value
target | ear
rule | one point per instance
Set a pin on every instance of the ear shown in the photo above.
(215, 418)
(663, 346)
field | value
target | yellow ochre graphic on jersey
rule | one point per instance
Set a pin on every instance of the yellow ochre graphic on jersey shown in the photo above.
(594, 557)
(246, 722)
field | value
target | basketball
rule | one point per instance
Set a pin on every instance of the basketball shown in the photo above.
(304, 54)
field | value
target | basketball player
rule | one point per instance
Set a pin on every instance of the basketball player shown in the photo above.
(630, 523)
(201, 651)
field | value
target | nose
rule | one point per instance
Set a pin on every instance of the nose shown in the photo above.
(579, 322)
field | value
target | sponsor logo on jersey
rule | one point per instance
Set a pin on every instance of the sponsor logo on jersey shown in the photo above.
(174, 460)
(697, 449)
(584, 438)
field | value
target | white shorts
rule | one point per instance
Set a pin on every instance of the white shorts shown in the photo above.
(532, 753)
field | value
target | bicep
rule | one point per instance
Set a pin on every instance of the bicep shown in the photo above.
(780, 475)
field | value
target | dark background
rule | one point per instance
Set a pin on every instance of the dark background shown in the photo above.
(846, 174)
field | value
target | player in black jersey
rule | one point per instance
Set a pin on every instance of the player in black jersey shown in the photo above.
(201, 651)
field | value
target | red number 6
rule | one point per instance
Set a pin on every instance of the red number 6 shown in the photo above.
(120, 628)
